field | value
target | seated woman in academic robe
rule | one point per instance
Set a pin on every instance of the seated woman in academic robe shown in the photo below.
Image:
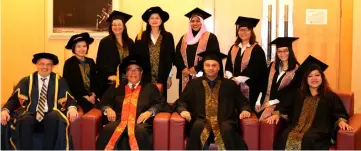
(280, 78)
(130, 107)
(79, 71)
(313, 113)
(213, 106)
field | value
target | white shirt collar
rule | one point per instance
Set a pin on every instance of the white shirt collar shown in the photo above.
(240, 45)
(47, 78)
(152, 37)
(243, 48)
(130, 85)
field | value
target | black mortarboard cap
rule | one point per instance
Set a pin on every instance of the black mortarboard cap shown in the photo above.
(199, 12)
(119, 15)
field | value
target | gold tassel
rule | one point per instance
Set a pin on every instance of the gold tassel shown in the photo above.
(139, 37)
(117, 82)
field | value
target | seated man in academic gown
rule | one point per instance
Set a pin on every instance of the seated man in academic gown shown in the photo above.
(130, 108)
(40, 102)
(213, 106)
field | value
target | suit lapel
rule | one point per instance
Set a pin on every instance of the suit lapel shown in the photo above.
(35, 89)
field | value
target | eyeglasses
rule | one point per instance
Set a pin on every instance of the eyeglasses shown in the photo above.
(133, 70)
(282, 51)
(244, 30)
(117, 25)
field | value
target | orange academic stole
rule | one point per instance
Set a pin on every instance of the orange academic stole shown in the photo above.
(129, 111)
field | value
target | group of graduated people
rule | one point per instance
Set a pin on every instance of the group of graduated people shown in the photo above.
(122, 84)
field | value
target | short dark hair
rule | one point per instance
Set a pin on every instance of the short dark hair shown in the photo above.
(73, 47)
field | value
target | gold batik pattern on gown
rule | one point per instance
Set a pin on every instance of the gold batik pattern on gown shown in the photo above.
(212, 115)
(154, 52)
(294, 139)
(85, 74)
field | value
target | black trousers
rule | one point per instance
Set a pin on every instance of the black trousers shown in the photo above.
(232, 140)
(142, 133)
(29, 125)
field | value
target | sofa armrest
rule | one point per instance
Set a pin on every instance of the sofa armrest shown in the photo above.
(176, 130)
(268, 133)
(350, 140)
(75, 130)
(250, 132)
(161, 131)
(91, 125)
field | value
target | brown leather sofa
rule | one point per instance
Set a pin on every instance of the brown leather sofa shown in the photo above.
(346, 140)
(75, 130)
(249, 127)
(92, 124)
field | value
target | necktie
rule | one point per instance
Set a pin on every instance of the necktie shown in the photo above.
(41, 102)
(133, 87)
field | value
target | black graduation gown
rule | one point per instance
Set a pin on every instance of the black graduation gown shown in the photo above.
(166, 57)
(72, 75)
(107, 62)
(149, 97)
(274, 92)
(191, 50)
(230, 104)
(10, 132)
(256, 71)
(318, 137)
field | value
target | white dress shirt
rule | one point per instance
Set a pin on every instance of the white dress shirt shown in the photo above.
(130, 85)
(243, 48)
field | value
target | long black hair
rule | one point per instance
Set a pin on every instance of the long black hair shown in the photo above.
(292, 60)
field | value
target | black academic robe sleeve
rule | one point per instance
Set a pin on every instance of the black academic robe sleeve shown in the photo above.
(64, 92)
(286, 106)
(258, 66)
(178, 62)
(264, 85)
(229, 66)
(242, 103)
(338, 108)
(107, 57)
(13, 102)
(188, 94)
(158, 103)
(108, 97)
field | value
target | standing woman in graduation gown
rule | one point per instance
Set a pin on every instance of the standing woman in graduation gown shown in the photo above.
(281, 75)
(79, 71)
(130, 107)
(112, 49)
(156, 47)
(246, 61)
(195, 41)
(313, 113)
